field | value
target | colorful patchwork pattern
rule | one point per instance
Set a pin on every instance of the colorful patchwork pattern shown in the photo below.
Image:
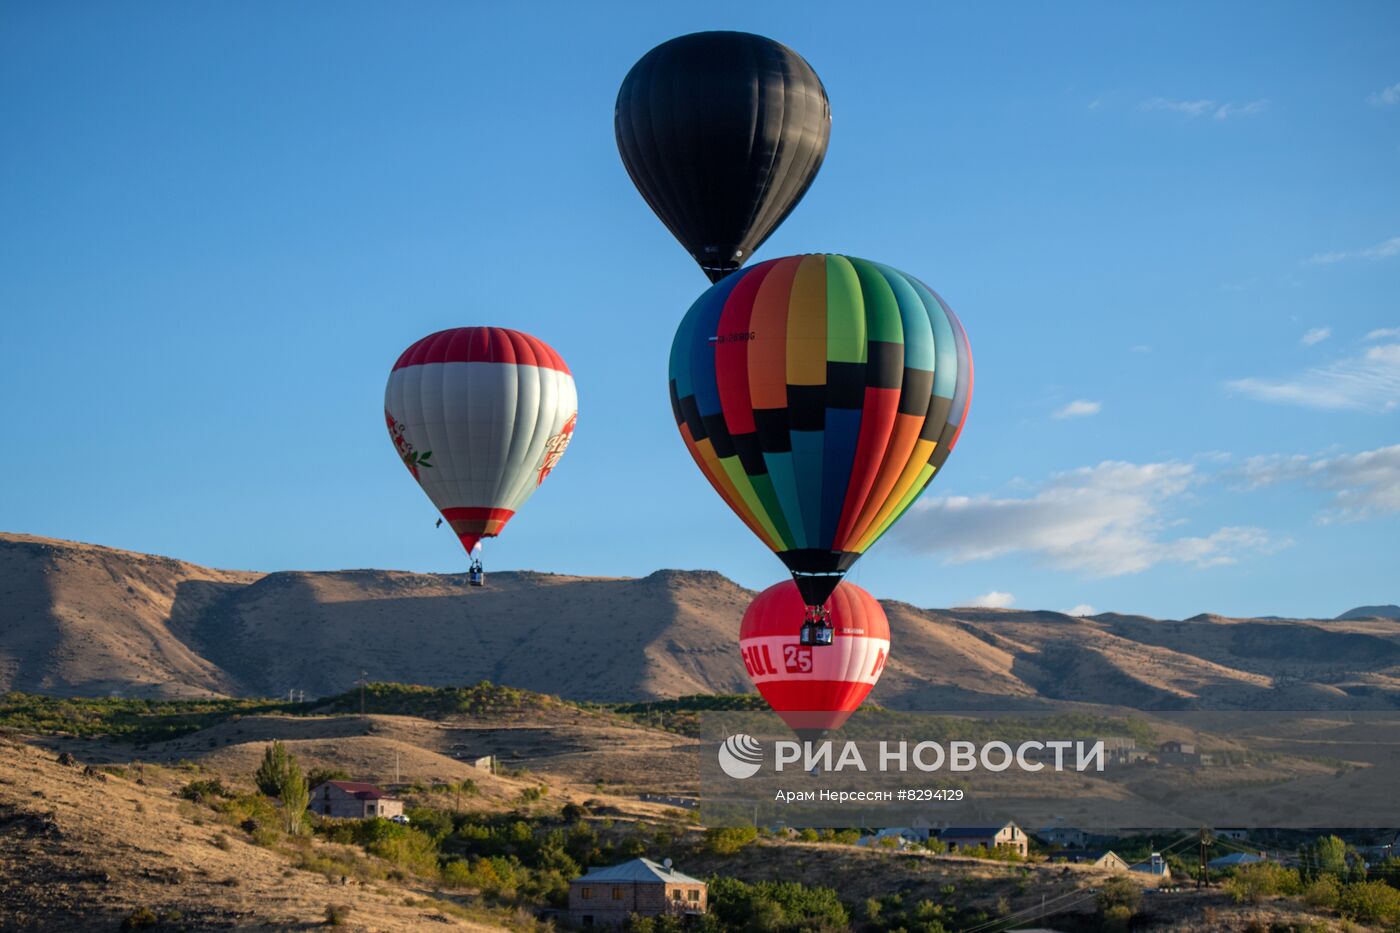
(819, 395)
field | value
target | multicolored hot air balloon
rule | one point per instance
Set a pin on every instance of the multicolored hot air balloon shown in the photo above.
(722, 133)
(480, 416)
(819, 395)
(814, 691)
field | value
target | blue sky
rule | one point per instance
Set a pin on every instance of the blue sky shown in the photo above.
(1172, 231)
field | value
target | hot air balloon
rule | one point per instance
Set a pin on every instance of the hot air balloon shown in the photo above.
(819, 395)
(480, 416)
(814, 691)
(722, 133)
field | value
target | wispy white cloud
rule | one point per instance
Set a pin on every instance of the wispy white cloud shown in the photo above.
(1385, 97)
(1384, 250)
(1204, 107)
(1083, 609)
(1315, 336)
(1079, 408)
(1225, 111)
(1383, 333)
(1368, 382)
(996, 599)
(1101, 521)
(1191, 108)
(1363, 485)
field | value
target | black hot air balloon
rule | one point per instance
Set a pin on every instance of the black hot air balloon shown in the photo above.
(722, 132)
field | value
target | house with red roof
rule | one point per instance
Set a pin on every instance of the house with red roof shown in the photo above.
(353, 800)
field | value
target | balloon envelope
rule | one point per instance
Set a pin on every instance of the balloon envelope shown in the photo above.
(722, 133)
(814, 689)
(819, 395)
(480, 416)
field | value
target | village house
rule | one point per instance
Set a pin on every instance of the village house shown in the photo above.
(1064, 836)
(1182, 754)
(897, 836)
(353, 800)
(987, 837)
(1155, 865)
(1123, 750)
(1104, 858)
(606, 896)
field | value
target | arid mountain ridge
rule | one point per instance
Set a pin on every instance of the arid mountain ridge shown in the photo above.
(86, 620)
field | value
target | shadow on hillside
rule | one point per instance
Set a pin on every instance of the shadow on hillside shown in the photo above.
(585, 641)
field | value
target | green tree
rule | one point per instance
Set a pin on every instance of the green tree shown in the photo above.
(1327, 855)
(272, 774)
(295, 795)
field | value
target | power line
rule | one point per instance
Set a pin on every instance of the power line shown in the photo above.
(1030, 913)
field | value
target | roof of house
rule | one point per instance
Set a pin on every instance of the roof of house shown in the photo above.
(973, 831)
(642, 870)
(1091, 856)
(1158, 867)
(895, 831)
(1235, 858)
(357, 789)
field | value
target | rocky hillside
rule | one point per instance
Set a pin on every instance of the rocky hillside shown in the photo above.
(82, 619)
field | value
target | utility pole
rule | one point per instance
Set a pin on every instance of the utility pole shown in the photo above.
(1201, 877)
(396, 766)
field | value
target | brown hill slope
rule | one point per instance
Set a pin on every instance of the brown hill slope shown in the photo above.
(82, 850)
(80, 619)
(84, 619)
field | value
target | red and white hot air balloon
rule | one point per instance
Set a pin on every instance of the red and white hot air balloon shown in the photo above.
(814, 690)
(480, 416)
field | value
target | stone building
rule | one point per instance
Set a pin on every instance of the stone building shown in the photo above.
(352, 800)
(606, 896)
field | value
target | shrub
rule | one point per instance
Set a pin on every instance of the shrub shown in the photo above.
(337, 914)
(248, 811)
(775, 905)
(140, 919)
(204, 791)
(726, 840)
(1323, 891)
(458, 874)
(1117, 917)
(1370, 902)
(1119, 893)
(266, 836)
(436, 823)
(1255, 882)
